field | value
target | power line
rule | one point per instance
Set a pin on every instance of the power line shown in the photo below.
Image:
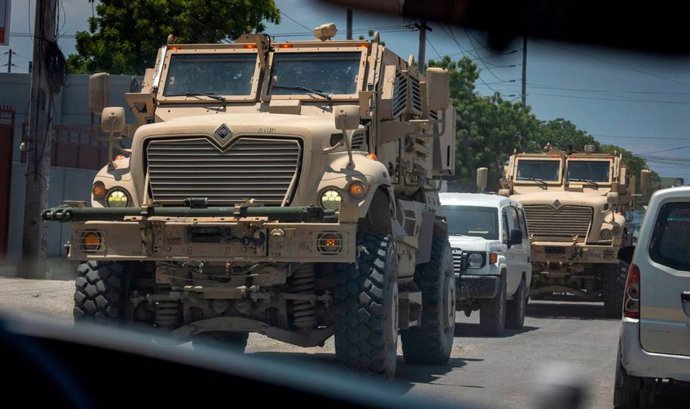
(637, 70)
(619, 99)
(600, 90)
(455, 40)
(433, 48)
(295, 21)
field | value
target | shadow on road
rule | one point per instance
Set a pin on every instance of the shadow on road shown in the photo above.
(406, 376)
(572, 310)
(469, 330)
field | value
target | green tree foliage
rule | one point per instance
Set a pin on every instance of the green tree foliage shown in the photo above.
(124, 36)
(490, 129)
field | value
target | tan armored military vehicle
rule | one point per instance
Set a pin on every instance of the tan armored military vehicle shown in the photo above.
(574, 203)
(287, 189)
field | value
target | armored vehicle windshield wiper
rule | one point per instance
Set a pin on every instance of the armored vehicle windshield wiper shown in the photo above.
(546, 185)
(306, 89)
(204, 94)
(590, 181)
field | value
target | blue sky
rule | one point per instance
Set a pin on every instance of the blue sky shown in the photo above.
(640, 102)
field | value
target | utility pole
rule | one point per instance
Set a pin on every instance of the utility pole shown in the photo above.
(524, 71)
(39, 144)
(9, 60)
(421, 57)
(349, 24)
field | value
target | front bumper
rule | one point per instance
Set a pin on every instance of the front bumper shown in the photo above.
(638, 362)
(471, 287)
(206, 235)
(560, 252)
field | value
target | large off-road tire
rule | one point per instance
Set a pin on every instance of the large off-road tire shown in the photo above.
(366, 296)
(98, 296)
(432, 341)
(234, 341)
(492, 313)
(515, 318)
(627, 389)
(614, 287)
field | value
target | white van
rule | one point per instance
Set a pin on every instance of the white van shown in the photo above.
(655, 335)
(492, 258)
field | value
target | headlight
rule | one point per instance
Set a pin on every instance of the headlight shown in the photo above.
(606, 234)
(475, 260)
(330, 199)
(117, 198)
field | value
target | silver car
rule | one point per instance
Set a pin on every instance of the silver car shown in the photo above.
(655, 336)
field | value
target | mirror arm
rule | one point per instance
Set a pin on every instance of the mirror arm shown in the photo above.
(350, 162)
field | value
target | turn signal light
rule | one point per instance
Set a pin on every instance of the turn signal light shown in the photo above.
(98, 190)
(493, 258)
(357, 189)
(372, 156)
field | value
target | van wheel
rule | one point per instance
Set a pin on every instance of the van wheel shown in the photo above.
(614, 287)
(517, 306)
(432, 341)
(366, 303)
(492, 313)
(98, 295)
(626, 392)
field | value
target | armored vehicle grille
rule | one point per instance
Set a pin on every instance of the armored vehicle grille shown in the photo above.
(261, 169)
(566, 222)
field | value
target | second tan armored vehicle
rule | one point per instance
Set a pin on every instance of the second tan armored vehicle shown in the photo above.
(280, 188)
(574, 203)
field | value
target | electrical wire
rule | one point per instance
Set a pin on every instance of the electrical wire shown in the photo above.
(295, 21)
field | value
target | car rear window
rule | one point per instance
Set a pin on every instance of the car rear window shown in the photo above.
(670, 244)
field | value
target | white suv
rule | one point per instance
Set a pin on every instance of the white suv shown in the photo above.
(655, 336)
(492, 258)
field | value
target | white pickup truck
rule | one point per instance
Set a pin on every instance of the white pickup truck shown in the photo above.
(492, 258)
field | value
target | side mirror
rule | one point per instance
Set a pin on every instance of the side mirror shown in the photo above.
(482, 178)
(99, 92)
(438, 88)
(347, 117)
(515, 236)
(113, 119)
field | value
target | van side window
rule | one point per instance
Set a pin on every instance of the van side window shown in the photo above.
(513, 219)
(670, 239)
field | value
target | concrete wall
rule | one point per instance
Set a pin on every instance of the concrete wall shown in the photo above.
(65, 183)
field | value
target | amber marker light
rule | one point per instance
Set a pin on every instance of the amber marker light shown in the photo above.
(98, 190)
(493, 258)
(357, 189)
(91, 241)
(372, 156)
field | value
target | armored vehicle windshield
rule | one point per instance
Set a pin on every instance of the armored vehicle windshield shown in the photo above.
(540, 170)
(323, 72)
(210, 74)
(589, 170)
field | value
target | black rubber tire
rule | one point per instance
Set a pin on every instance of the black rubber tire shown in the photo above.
(431, 342)
(366, 301)
(98, 296)
(492, 313)
(234, 341)
(614, 288)
(626, 391)
(515, 316)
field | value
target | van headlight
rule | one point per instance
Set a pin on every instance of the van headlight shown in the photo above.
(117, 198)
(475, 260)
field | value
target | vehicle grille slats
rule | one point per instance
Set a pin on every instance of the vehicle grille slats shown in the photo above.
(566, 222)
(262, 169)
(457, 261)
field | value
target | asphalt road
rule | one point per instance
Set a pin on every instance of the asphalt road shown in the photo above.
(567, 339)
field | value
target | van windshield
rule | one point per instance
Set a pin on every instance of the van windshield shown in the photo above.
(472, 221)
